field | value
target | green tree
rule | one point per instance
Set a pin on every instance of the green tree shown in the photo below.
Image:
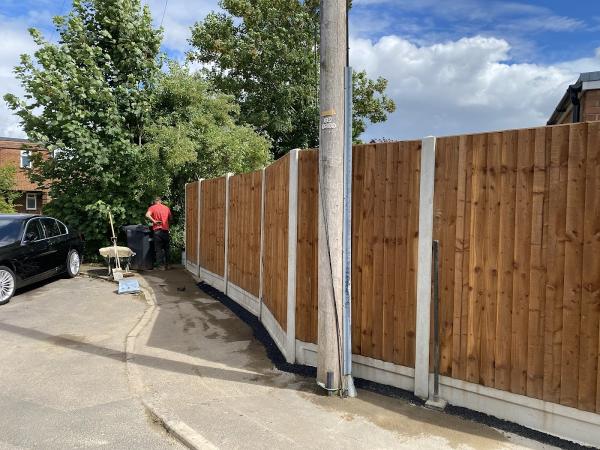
(265, 53)
(7, 189)
(88, 101)
(195, 134)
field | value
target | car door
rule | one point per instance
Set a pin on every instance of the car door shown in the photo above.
(33, 257)
(57, 256)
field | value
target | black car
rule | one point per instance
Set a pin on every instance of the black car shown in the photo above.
(33, 248)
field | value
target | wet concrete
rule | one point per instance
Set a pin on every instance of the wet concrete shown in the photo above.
(216, 377)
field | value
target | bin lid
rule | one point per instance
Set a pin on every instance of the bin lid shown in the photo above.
(139, 228)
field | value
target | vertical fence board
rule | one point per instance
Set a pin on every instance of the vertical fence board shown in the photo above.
(378, 247)
(389, 251)
(522, 254)
(358, 189)
(367, 249)
(467, 141)
(460, 241)
(555, 262)
(537, 281)
(488, 326)
(414, 150)
(573, 265)
(477, 261)
(508, 180)
(402, 208)
(448, 258)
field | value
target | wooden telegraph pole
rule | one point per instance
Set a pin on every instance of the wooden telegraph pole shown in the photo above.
(331, 182)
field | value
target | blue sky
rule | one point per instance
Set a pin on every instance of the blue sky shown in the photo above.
(453, 66)
(539, 31)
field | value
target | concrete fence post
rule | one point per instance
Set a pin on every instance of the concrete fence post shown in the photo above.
(185, 226)
(226, 259)
(424, 267)
(198, 226)
(262, 243)
(291, 265)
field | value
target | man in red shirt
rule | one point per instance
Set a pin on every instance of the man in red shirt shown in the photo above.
(160, 215)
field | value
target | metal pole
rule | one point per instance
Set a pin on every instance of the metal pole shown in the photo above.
(331, 195)
(436, 321)
(347, 249)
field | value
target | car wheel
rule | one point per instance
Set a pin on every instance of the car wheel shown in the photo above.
(7, 284)
(73, 263)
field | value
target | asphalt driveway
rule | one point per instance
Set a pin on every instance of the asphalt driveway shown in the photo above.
(63, 375)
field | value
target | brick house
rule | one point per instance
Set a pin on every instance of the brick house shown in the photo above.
(581, 102)
(32, 199)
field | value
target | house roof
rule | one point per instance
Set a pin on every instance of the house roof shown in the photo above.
(11, 139)
(565, 101)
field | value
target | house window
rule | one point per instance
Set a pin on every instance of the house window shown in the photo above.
(31, 201)
(26, 162)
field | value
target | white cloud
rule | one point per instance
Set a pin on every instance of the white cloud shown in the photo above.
(15, 41)
(461, 86)
(458, 86)
(179, 16)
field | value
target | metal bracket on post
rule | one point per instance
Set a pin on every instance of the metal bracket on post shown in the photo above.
(436, 402)
(347, 238)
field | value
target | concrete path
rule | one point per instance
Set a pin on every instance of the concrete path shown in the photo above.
(63, 374)
(200, 365)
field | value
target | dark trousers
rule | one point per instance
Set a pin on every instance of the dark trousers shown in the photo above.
(161, 247)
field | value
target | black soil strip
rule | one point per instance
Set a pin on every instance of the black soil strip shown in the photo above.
(512, 427)
(278, 360)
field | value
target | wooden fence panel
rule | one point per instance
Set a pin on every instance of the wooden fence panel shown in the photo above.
(589, 362)
(517, 214)
(212, 225)
(245, 196)
(522, 247)
(191, 222)
(276, 239)
(385, 211)
(307, 246)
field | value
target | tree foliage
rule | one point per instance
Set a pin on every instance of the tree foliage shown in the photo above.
(195, 133)
(87, 101)
(265, 53)
(7, 189)
(120, 129)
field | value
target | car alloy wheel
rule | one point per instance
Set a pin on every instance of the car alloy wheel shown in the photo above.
(7, 285)
(74, 263)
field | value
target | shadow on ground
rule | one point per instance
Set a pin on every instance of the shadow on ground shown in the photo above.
(186, 310)
(190, 323)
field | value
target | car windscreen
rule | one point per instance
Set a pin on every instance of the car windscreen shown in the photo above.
(10, 231)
